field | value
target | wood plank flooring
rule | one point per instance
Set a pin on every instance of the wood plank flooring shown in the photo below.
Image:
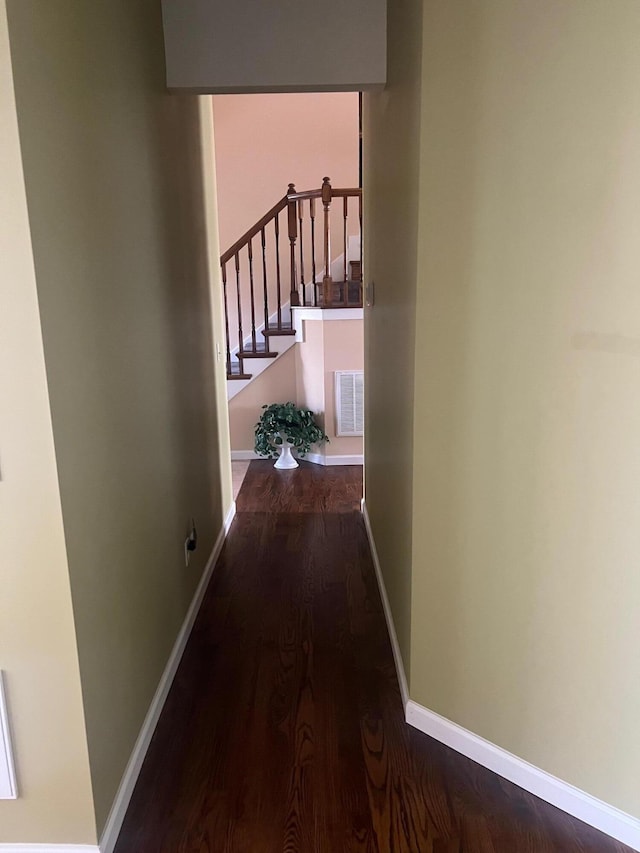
(284, 732)
(309, 488)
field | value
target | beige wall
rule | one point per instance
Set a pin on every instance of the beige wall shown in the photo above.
(391, 161)
(37, 639)
(526, 460)
(114, 187)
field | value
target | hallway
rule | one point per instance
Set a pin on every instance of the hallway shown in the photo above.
(284, 730)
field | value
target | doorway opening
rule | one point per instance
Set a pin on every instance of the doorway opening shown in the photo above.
(288, 172)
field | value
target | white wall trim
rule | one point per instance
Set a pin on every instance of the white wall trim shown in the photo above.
(8, 787)
(317, 458)
(127, 784)
(564, 796)
(391, 628)
(572, 800)
(321, 315)
(355, 459)
(243, 455)
(322, 459)
(49, 848)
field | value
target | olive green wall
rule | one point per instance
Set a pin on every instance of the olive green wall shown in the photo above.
(527, 417)
(390, 181)
(37, 638)
(505, 154)
(119, 228)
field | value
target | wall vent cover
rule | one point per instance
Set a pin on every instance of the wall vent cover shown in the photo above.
(349, 402)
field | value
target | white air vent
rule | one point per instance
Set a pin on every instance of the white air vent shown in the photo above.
(349, 402)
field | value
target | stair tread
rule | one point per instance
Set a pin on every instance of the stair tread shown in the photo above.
(259, 351)
(234, 372)
(274, 329)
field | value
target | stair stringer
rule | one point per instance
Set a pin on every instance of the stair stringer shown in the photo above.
(256, 366)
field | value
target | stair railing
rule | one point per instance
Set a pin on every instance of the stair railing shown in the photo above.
(304, 287)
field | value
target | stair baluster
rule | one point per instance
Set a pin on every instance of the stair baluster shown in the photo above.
(265, 286)
(278, 281)
(226, 317)
(360, 271)
(292, 221)
(327, 283)
(328, 296)
(344, 235)
(300, 244)
(253, 302)
(239, 301)
(312, 217)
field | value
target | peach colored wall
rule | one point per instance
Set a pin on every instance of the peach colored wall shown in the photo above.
(276, 385)
(304, 374)
(343, 350)
(263, 142)
(310, 370)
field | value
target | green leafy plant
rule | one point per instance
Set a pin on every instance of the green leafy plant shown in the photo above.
(286, 419)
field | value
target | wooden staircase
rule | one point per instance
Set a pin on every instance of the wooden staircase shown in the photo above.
(254, 278)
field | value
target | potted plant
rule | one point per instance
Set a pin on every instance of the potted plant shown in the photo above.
(283, 426)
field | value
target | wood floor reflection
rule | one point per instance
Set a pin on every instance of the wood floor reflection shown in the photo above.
(309, 488)
(284, 730)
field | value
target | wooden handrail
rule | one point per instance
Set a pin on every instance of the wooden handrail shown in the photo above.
(225, 257)
(301, 229)
(304, 194)
(339, 192)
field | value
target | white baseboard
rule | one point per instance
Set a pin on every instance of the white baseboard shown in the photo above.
(391, 628)
(321, 459)
(564, 796)
(354, 459)
(317, 458)
(123, 796)
(242, 455)
(49, 848)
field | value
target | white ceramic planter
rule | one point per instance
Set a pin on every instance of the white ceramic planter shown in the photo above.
(286, 460)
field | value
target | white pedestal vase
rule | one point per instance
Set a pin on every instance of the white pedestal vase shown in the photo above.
(286, 460)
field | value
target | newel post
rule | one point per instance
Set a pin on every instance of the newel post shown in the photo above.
(327, 283)
(293, 236)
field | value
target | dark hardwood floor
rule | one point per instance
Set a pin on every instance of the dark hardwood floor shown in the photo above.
(284, 730)
(309, 488)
